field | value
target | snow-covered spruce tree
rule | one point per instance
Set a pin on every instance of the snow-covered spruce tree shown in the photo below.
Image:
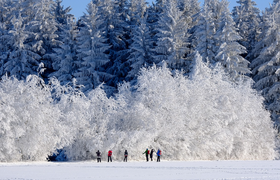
(22, 61)
(64, 56)
(160, 5)
(114, 15)
(172, 37)
(137, 10)
(140, 49)
(27, 9)
(3, 47)
(230, 51)
(61, 15)
(44, 33)
(205, 30)
(91, 51)
(190, 9)
(7, 8)
(258, 46)
(31, 128)
(265, 67)
(137, 20)
(152, 20)
(247, 19)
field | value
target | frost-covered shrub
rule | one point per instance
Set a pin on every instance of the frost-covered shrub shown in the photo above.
(204, 117)
(201, 117)
(30, 127)
(87, 120)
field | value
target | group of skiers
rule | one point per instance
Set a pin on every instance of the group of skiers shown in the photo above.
(147, 153)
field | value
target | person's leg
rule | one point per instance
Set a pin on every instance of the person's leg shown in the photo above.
(108, 158)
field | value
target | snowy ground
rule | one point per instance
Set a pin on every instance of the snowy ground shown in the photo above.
(229, 170)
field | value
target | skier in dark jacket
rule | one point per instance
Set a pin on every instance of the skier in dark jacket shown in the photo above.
(98, 156)
(125, 156)
(151, 154)
(147, 152)
(158, 155)
(110, 155)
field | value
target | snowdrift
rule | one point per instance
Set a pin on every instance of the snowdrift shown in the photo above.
(201, 117)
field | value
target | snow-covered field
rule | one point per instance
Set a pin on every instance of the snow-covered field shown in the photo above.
(253, 170)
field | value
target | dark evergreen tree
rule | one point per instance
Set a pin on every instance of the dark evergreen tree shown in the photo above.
(7, 10)
(137, 10)
(265, 66)
(91, 48)
(172, 37)
(21, 61)
(247, 19)
(61, 15)
(229, 52)
(113, 15)
(205, 31)
(140, 49)
(44, 33)
(64, 56)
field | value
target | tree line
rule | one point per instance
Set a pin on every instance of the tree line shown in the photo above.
(113, 40)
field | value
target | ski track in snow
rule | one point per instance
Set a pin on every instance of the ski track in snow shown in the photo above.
(191, 170)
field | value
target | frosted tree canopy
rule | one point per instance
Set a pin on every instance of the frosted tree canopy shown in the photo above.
(200, 117)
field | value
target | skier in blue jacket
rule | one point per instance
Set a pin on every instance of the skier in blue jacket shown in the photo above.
(158, 155)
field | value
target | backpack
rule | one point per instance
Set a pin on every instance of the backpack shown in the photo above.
(148, 151)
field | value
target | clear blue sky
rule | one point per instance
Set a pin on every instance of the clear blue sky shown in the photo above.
(79, 6)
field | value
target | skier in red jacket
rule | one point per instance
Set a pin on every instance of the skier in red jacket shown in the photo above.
(110, 155)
